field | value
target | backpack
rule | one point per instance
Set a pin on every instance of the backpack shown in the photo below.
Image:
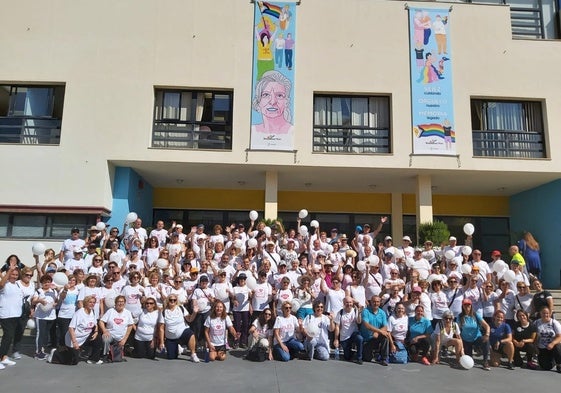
(257, 354)
(116, 353)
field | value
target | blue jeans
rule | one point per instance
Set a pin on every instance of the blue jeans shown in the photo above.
(357, 339)
(292, 345)
(312, 345)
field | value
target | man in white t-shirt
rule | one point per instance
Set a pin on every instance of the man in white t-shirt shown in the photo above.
(346, 330)
(69, 245)
(160, 233)
(136, 232)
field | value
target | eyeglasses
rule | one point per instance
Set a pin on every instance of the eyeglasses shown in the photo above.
(287, 308)
(489, 286)
(319, 306)
(448, 319)
(178, 282)
(29, 275)
(98, 259)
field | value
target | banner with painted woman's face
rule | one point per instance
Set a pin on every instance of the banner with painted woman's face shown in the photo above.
(274, 59)
(432, 101)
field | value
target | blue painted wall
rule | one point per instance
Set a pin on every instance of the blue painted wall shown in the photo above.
(538, 211)
(131, 193)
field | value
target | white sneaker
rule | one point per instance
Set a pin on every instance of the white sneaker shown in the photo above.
(195, 358)
(180, 349)
(2, 367)
(8, 362)
(16, 355)
(92, 362)
(50, 355)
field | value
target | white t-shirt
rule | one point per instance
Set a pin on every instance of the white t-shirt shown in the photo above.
(202, 297)
(358, 293)
(263, 331)
(218, 329)
(241, 294)
(334, 300)
(161, 234)
(322, 322)
(68, 247)
(547, 332)
(446, 336)
(117, 322)
(51, 297)
(398, 327)
(147, 324)
(68, 305)
(439, 303)
(347, 323)
(83, 325)
(96, 293)
(260, 299)
(174, 321)
(283, 295)
(287, 326)
(222, 291)
(133, 295)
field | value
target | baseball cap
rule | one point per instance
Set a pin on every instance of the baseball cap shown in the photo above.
(496, 253)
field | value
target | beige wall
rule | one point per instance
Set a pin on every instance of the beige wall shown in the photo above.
(112, 54)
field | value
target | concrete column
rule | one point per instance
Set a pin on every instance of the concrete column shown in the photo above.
(397, 218)
(424, 199)
(271, 194)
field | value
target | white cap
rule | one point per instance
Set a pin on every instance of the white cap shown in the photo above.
(452, 238)
(388, 238)
(407, 238)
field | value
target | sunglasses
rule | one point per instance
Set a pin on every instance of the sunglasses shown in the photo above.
(452, 281)
(178, 282)
(147, 303)
(172, 300)
(521, 286)
(287, 308)
(29, 275)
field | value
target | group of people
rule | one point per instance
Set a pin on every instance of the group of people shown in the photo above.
(277, 294)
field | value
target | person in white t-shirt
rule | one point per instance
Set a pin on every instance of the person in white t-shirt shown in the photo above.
(160, 233)
(346, 329)
(174, 330)
(285, 342)
(261, 295)
(116, 324)
(69, 245)
(136, 232)
(217, 325)
(242, 309)
(316, 328)
(146, 332)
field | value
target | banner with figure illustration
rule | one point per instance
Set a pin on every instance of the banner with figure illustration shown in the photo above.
(432, 102)
(274, 59)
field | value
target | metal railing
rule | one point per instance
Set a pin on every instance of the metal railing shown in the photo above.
(510, 144)
(182, 135)
(356, 140)
(527, 22)
(28, 130)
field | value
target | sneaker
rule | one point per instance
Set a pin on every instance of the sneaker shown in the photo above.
(8, 362)
(510, 366)
(558, 368)
(180, 349)
(40, 356)
(50, 356)
(195, 358)
(486, 366)
(92, 362)
(16, 356)
(425, 361)
(359, 362)
(2, 367)
(531, 365)
(384, 363)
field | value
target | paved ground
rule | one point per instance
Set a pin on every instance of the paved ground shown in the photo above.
(238, 375)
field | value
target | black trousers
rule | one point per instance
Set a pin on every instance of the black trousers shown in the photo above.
(376, 344)
(9, 326)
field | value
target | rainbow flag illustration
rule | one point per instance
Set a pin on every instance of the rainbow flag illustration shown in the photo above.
(433, 129)
(270, 9)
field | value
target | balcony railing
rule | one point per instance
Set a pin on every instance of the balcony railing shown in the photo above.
(511, 144)
(527, 22)
(182, 135)
(27, 130)
(357, 140)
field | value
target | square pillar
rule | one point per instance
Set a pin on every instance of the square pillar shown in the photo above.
(424, 199)
(271, 194)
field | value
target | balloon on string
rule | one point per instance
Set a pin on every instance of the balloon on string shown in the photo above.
(30, 324)
(60, 279)
(303, 213)
(466, 362)
(100, 225)
(46, 307)
(500, 267)
(253, 215)
(267, 231)
(38, 249)
(252, 243)
(314, 224)
(509, 276)
(469, 229)
(162, 263)
(251, 282)
(295, 305)
(465, 268)
(312, 329)
(466, 250)
(361, 266)
(131, 217)
(449, 254)
(372, 260)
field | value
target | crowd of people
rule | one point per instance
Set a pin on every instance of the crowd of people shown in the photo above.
(277, 294)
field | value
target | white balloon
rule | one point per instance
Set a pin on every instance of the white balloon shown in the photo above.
(469, 229)
(110, 301)
(131, 217)
(398, 254)
(100, 225)
(162, 263)
(238, 243)
(372, 260)
(409, 262)
(466, 250)
(361, 266)
(30, 324)
(509, 276)
(295, 305)
(106, 339)
(329, 248)
(60, 279)
(466, 362)
(459, 260)
(253, 215)
(433, 277)
(449, 254)
(267, 231)
(304, 230)
(38, 249)
(314, 224)
(252, 243)
(465, 268)
(46, 307)
(303, 213)
(312, 329)
(500, 267)
(251, 282)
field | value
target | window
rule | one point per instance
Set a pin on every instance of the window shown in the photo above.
(30, 114)
(192, 119)
(351, 124)
(511, 129)
(43, 226)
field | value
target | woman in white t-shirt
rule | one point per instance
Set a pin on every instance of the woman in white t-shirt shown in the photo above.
(217, 325)
(146, 333)
(285, 329)
(316, 328)
(261, 332)
(68, 301)
(133, 294)
(45, 300)
(447, 333)
(91, 289)
(284, 294)
(116, 324)
(175, 331)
